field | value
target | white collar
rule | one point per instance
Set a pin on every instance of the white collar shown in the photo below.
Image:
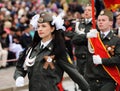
(105, 33)
(45, 43)
(88, 20)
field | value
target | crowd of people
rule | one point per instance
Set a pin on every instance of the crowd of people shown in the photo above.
(48, 37)
(15, 32)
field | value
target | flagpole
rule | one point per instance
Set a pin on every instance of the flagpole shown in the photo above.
(93, 15)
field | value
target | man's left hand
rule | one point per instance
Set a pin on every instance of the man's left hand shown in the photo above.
(97, 59)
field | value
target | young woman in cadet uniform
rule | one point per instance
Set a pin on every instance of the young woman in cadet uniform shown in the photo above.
(47, 59)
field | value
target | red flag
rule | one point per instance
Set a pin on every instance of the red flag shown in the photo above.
(100, 49)
(112, 4)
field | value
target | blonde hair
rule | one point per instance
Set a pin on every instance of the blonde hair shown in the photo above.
(7, 24)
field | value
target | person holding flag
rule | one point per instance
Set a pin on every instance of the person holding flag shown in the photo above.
(102, 68)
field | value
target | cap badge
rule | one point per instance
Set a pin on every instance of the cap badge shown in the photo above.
(40, 19)
(102, 12)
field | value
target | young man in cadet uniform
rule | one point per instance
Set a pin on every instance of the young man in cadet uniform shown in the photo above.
(82, 28)
(101, 68)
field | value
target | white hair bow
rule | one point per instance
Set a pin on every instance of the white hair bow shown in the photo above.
(34, 20)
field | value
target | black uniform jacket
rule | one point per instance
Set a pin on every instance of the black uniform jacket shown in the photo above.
(97, 71)
(41, 79)
(81, 50)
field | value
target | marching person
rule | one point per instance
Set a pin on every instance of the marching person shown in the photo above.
(82, 27)
(101, 69)
(47, 59)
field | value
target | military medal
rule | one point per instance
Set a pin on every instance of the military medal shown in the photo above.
(110, 49)
(49, 62)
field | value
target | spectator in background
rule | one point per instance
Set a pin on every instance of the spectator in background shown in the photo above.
(77, 15)
(7, 26)
(5, 46)
(64, 5)
(1, 22)
(3, 50)
(74, 6)
(53, 6)
(18, 34)
(26, 38)
(13, 46)
(22, 11)
(3, 56)
(46, 2)
(22, 23)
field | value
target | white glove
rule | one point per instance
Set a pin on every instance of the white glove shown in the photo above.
(19, 81)
(92, 33)
(77, 29)
(97, 59)
(58, 22)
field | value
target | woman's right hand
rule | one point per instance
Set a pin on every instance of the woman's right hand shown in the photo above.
(19, 81)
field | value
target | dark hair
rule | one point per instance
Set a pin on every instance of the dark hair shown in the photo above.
(58, 42)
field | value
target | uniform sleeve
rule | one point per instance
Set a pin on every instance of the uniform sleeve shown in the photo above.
(71, 70)
(115, 59)
(19, 71)
(70, 34)
(79, 39)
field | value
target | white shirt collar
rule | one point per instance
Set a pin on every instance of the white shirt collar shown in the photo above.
(45, 43)
(88, 20)
(105, 33)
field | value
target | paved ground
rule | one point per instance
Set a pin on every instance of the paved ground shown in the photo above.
(7, 83)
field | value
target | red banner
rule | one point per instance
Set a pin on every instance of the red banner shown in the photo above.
(112, 4)
(100, 49)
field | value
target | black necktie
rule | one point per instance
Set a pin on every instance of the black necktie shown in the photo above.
(102, 35)
(87, 21)
(42, 46)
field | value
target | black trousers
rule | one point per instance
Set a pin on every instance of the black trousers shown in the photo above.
(104, 85)
(81, 65)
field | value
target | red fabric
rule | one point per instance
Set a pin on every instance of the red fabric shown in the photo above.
(69, 29)
(118, 88)
(60, 87)
(110, 3)
(101, 50)
(93, 15)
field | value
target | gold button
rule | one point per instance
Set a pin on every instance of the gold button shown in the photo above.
(54, 61)
(97, 80)
(50, 48)
(83, 56)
